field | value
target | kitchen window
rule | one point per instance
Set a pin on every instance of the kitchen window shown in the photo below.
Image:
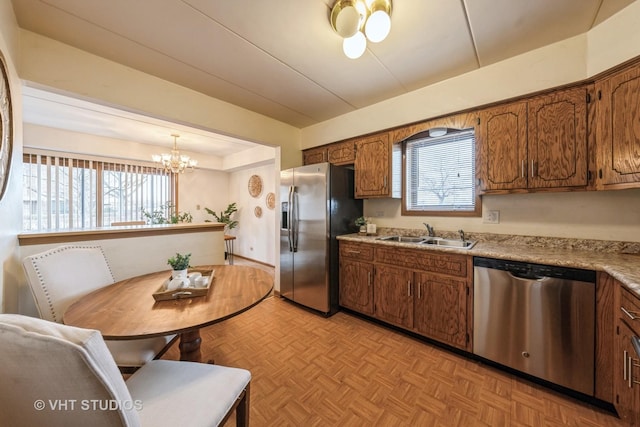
(440, 174)
(71, 193)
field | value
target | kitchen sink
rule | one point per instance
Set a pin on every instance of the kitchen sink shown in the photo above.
(402, 239)
(448, 243)
(435, 241)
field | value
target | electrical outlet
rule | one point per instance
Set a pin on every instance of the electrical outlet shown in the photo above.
(491, 217)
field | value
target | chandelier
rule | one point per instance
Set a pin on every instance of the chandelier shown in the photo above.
(360, 20)
(175, 162)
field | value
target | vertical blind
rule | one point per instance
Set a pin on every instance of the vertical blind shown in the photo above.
(440, 172)
(69, 193)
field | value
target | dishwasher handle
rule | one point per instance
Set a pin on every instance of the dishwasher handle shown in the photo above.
(526, 276)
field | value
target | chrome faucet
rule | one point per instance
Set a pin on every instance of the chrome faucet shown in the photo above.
(461, 233)
(430, 230)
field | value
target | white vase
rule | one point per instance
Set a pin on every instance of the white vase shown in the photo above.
(179, 273)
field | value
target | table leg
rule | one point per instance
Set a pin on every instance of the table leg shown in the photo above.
(190, 346)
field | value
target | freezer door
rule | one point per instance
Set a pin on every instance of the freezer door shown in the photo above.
(286, 231)
(310, 237)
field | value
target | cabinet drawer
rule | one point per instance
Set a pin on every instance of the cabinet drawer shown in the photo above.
(455, 265)
(629, 310)
(356, 251)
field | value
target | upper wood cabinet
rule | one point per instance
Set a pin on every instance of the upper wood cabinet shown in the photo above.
(342, 153)
(503, 141)
(314, 155)
(536, 143)
(377, 167)
(618, 129)
(557, 139)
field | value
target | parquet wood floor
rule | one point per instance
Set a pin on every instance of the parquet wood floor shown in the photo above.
(345, 371)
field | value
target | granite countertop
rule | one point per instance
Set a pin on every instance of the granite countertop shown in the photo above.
(590, 255)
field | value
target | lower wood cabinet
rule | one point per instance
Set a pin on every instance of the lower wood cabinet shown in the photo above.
(356, 286)
(418, 290)
(440, 308)
(393, 295)
(626, 360)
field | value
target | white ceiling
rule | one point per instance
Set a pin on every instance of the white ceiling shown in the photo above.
(282, 59)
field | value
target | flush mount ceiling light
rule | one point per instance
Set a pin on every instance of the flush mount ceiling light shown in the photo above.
(355, 19)
(175, 162)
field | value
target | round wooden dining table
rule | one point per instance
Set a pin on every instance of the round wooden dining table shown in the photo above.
(127, 309)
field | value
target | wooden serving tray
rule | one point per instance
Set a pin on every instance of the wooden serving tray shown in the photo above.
(163, 295)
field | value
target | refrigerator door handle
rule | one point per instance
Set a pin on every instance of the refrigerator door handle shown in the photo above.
(289, 223)
(295, 221)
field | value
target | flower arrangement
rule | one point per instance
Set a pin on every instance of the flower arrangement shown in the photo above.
(179, 261)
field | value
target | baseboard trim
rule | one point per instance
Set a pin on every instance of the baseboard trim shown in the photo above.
(254, 260)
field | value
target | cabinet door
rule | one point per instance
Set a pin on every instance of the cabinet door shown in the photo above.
(356, 290)
(503, 147)
(441, 308)
(618, 133)
(626, 380)
(372, 166)
(393, 295)
(314, 155)
(342, 153)
(557, 139)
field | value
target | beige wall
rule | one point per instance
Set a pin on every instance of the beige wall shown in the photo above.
(10, 205)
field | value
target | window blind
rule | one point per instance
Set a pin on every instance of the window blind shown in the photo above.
(440, 172)
(69, 193)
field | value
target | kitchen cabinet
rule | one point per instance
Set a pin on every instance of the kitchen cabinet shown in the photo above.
(356, 277)
(421, 291)
(537, 143)
(626, 382)
(342, 153)
(314, 155)
(393, 295)
(617, 131)
(503, 142)
(377, 167)
(440, 308)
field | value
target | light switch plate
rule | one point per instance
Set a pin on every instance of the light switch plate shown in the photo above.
(491, 217)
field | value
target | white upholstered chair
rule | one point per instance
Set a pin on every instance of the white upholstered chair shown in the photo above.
(58, 375)
(61, 275)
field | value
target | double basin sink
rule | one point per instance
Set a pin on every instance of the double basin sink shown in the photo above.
(434, 241)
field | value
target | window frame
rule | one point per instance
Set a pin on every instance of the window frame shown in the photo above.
(405, 211)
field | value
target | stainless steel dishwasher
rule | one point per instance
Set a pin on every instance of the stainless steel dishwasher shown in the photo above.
(537, 319)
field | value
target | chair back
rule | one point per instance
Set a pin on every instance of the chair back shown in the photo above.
(61, 275)
(58, 375)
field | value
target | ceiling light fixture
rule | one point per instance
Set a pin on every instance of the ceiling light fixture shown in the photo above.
(175, 162)
(358, 21)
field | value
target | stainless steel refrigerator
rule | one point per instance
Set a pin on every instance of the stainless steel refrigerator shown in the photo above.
(316, 205)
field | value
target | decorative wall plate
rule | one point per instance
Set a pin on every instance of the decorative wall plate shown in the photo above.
(6, 127)
(255, 186)
(271, 200)
(258, 211)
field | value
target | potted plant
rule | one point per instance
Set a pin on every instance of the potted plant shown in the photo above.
(225, 216)
(362, 223)
(179, 263)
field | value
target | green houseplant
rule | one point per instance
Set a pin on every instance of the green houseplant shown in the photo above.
(179, 263)
(159, 216)
(225, 216)
(362, 223)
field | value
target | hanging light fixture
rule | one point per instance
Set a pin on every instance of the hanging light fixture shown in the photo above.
(175, 162)
(358, 21)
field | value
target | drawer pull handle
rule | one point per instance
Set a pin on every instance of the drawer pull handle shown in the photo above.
(633, 315)
(353, 252)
